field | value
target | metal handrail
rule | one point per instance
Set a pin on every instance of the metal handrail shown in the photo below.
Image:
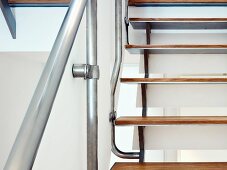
(92, 116)
(115, 79)
(27, 142)
(118, 51)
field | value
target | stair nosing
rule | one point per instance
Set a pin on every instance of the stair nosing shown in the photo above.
(174, 80)
(167, 165)
(170, 120)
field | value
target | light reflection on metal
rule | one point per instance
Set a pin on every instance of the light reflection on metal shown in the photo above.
(9, 17)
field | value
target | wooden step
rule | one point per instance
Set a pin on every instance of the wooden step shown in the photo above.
(170, 120)
(60, 2)
(175, 80)
(179, 23)
(178, 49)
(176, 2)
(170, 166)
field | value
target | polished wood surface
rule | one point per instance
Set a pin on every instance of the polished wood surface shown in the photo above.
(137, 2)
(170, 120)
(170, 166)
(39, 1)
(173, 80)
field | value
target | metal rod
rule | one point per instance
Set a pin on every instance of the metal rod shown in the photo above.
(92, 116)
(144, 94)
(118, 51)
(119, 153)
(114, 81)
(26, 145)
(126, 22)
(9, 17)
(141, 143)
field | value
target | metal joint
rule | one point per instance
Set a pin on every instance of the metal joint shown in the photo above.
(112, 116)
(126, 28)
(85, 71)
(126, 21)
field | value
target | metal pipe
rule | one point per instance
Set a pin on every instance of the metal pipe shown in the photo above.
(27, 142)
(119, 153)
(115, 78)
(92, 116)
(118, 51)
(126, 21)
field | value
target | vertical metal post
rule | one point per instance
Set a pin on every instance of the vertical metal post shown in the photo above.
(92, 116)
(126, 22)
(23, 153)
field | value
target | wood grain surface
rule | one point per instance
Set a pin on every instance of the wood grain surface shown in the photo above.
(171, 166)
(174, 80)
(170, 120)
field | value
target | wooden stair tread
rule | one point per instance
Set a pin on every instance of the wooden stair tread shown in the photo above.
(170, 120)
(39, 1)
(144, 2)
(179, 49)
(174, 80)
(179, 23)
(170, 166)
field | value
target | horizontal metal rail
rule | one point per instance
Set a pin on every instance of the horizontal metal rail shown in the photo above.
(27, 142)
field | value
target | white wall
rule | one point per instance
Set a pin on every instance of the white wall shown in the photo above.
(19, 75)
(21, 63)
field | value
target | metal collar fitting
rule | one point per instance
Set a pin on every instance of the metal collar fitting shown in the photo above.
(85, 71)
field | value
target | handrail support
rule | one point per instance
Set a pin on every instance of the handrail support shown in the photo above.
(85, 71)
(9, 17)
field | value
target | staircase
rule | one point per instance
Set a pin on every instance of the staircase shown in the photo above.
(148, 24)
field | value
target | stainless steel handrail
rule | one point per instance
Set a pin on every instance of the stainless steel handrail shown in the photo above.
(27, 142)
(118, 51)
(92, 116)
(115, 79)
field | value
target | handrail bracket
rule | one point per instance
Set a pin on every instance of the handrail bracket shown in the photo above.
(85, 71)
